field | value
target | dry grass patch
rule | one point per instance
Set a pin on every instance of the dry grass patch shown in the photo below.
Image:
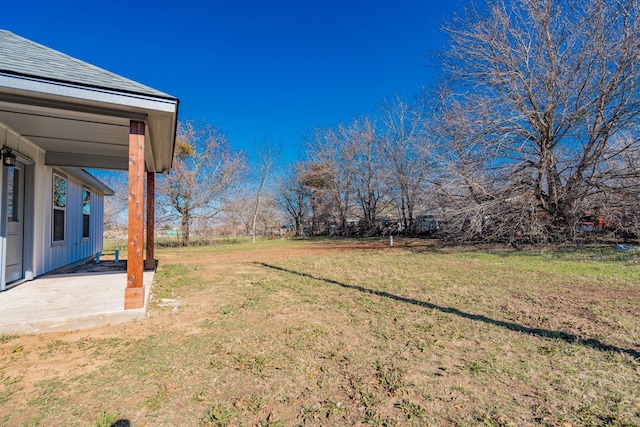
(348, 333)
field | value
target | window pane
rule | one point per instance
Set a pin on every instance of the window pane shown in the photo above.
(85, 225)
(59, 191)
(13, 194)
(58, 225)
(86, 201)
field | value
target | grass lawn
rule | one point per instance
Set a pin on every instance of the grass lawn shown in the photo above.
(348, 332)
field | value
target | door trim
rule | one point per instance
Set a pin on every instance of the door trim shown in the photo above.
(28, 177)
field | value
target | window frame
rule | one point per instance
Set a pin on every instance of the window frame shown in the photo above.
(86, 215)
(55, 207)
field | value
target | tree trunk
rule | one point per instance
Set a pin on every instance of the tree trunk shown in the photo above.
(257, 207)
(298, 227)
(184, 227)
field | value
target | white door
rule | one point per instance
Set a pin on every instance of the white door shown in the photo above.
(15, 224)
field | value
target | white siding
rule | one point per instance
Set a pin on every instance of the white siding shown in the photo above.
(27, 150)
(47, 255)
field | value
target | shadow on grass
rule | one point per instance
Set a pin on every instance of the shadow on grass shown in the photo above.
(538, 332)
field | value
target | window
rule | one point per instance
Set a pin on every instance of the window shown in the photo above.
(59, 207)
(86, 212)
(13, 194)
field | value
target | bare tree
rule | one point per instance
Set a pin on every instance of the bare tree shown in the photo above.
(615, 205)
(318, 180)
(329, 173)
(480, 200)
(408, 154)
(236, 215)
(547, 87)
(293, 197)
(114, 206)
(268, 156)
(205, 169)
(368, 171)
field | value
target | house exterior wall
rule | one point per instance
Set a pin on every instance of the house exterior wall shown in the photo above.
(44, 254)
(74, 247)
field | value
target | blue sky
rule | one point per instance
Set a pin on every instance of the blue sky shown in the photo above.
(256, 69)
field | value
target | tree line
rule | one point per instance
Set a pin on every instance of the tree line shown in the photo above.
(531, 134)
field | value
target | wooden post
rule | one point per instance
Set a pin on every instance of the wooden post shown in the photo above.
(150, 262)
(134, 293)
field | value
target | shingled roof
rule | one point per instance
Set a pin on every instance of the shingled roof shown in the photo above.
(80, 114)
(23, 57)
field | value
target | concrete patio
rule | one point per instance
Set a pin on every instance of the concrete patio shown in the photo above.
(68, 302)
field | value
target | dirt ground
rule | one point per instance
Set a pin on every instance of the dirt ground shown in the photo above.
(41, 360)
(38, 363)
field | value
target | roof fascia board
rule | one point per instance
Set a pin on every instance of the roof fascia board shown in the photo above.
(89, 94)
(51, 108)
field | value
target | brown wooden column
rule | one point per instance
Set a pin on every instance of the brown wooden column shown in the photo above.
(134, 293)
(150, 262)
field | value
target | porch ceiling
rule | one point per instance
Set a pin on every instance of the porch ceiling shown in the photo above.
(88, 133)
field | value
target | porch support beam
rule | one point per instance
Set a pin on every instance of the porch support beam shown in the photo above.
(134, 293)
(150, 262)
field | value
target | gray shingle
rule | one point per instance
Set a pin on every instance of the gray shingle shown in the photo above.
(24, 57)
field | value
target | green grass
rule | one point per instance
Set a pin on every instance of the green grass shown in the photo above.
(4, 338)
(105, 419)
(372, 336)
